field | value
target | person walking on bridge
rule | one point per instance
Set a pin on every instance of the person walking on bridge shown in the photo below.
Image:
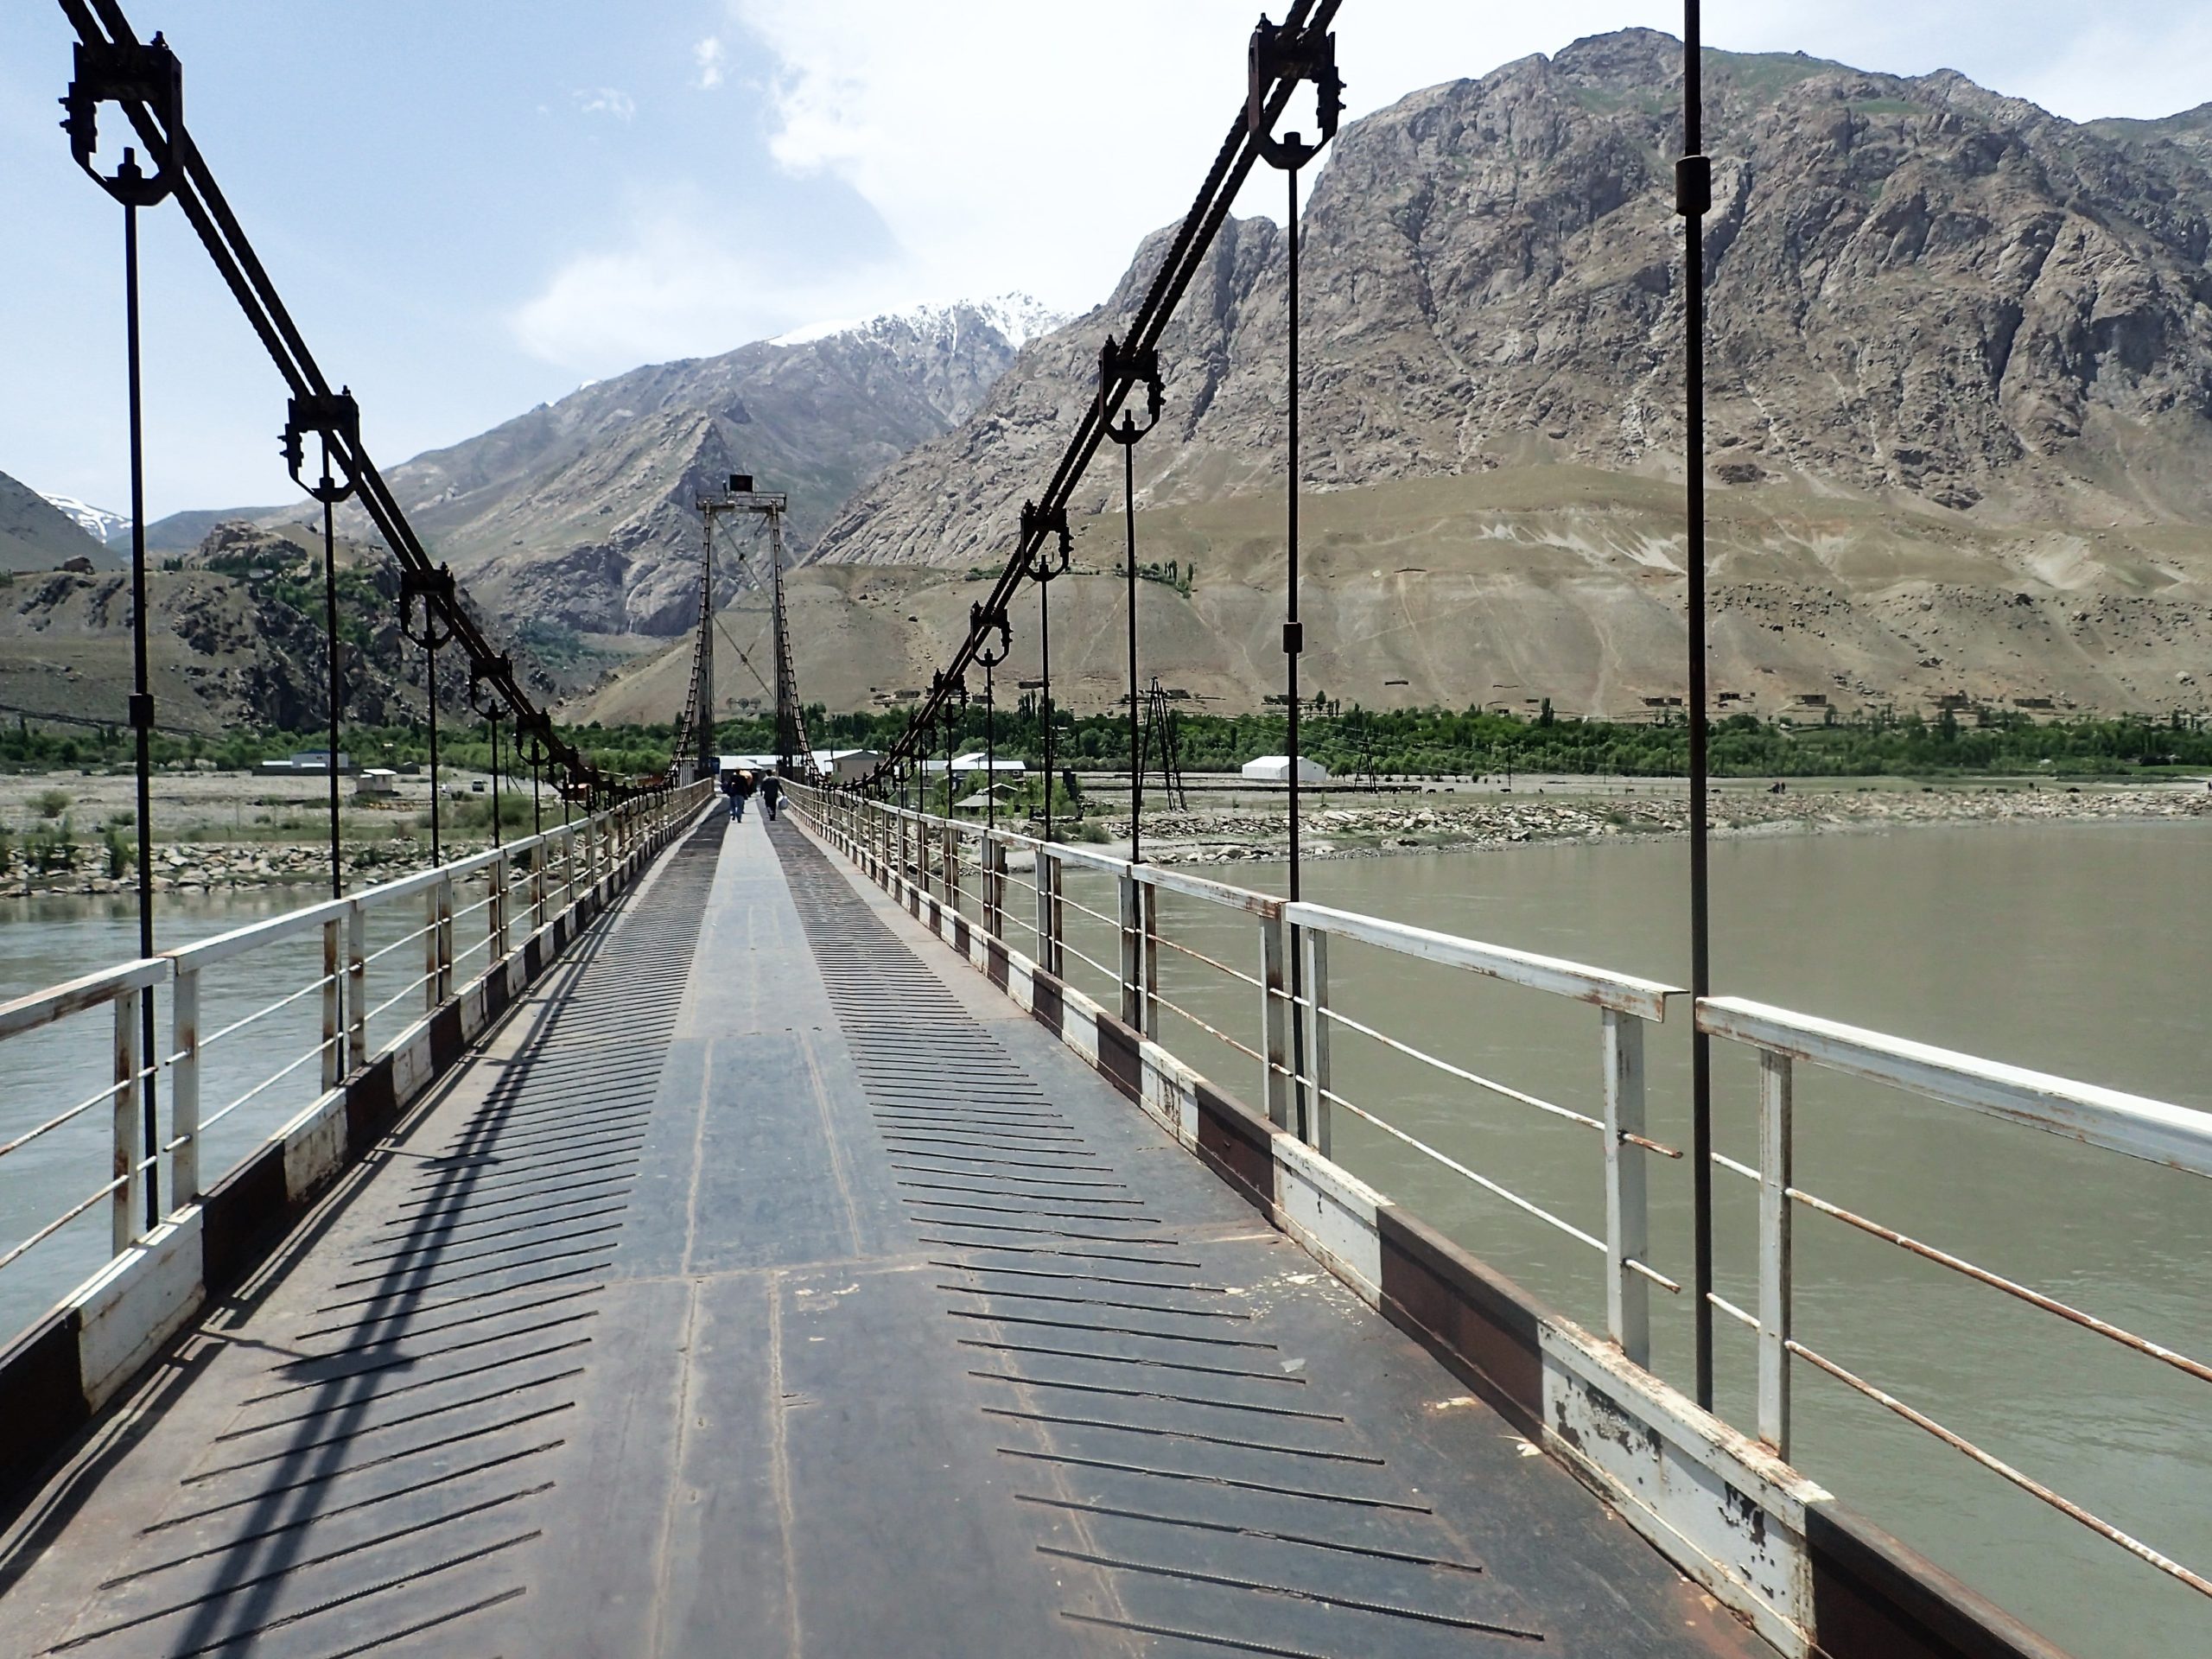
(740, 793)
(771, 791)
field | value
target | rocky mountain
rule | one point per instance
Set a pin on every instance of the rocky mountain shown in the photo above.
(237, 638)
(36, 535)
(1923, 294)
(579, 514)
(104, 526)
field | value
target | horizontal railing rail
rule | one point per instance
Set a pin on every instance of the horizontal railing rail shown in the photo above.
(1295, 1025)
(526, 881)
(2132, 1125)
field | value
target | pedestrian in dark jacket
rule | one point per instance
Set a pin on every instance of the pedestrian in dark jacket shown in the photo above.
(744, 793)
(729, 792)
(771, 791)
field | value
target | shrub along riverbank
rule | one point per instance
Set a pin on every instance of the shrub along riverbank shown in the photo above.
(1349, 742)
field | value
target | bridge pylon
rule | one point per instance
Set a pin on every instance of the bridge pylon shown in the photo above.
(696, 733)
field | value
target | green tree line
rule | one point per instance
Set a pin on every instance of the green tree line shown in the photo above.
(1351, 741)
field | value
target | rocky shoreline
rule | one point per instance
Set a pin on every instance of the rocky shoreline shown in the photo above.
(216, 867)
(1238, 833)
(1231, 835)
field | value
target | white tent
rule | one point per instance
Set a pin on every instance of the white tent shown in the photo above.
(1275, 769)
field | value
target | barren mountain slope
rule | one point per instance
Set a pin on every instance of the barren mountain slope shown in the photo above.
(36, 535)
(236, 638)
(579, 513)
(1524, 584)
(1922, 293)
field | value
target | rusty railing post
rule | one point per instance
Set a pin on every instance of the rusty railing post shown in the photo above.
(357, 986)
(184, 1089)
(443, 932)
(1775, 1160)
(129, 1202)
(1314, 1011)
(1130, 973)
(1628, 1296)
(333, 980)
(430, 948)
(1275, 1035)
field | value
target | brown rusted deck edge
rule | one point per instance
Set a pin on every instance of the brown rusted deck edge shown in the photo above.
(1812, 1578)
(58, 1376)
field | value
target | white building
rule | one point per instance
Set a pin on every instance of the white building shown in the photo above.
(1275, 769)
(310, 760)
(846, 766)
(976, 761)
(843, 766)
(376, 784)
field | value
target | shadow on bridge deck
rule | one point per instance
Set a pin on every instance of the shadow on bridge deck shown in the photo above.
(771, 1285)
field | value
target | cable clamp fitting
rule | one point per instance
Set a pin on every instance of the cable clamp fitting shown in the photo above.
(337, 418)
(1294, 639)
(1281, 52)
(126, 72)
(432, 590)
(1037, 523)
(1694, 186)
(1136, 366)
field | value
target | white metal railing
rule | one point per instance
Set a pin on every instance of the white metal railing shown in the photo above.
(527, 881)
(1295, 1025)
(1292, 1024)
(2128, 1124)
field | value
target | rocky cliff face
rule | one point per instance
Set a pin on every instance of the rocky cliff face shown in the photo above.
(237, 638)
(1923, 294)
(579, 514)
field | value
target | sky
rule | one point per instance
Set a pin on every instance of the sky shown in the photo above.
(473, 208)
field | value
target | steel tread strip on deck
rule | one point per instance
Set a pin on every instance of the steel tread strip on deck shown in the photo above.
(354, 1453)
(1178, 1394)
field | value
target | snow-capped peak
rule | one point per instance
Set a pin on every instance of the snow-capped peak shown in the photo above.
(98, 523)
(1019, 318)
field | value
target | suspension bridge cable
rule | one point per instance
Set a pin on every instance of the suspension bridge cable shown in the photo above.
(1239, 151)
(100, 24)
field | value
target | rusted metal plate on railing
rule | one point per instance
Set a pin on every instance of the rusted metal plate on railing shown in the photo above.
(1644, 998)
(59, 1002)
(2134, 1124)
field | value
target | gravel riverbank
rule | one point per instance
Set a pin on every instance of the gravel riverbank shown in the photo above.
(1341, 829)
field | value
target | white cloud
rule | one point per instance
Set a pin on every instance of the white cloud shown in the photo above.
(672, 286)
(1025, 146)
(709, 57)
(606, 101)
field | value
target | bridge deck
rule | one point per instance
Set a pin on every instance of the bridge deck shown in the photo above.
(769, 1285)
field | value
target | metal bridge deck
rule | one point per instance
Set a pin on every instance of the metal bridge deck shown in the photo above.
(769, 1285)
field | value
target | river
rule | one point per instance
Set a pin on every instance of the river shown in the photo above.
(2082, 949)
